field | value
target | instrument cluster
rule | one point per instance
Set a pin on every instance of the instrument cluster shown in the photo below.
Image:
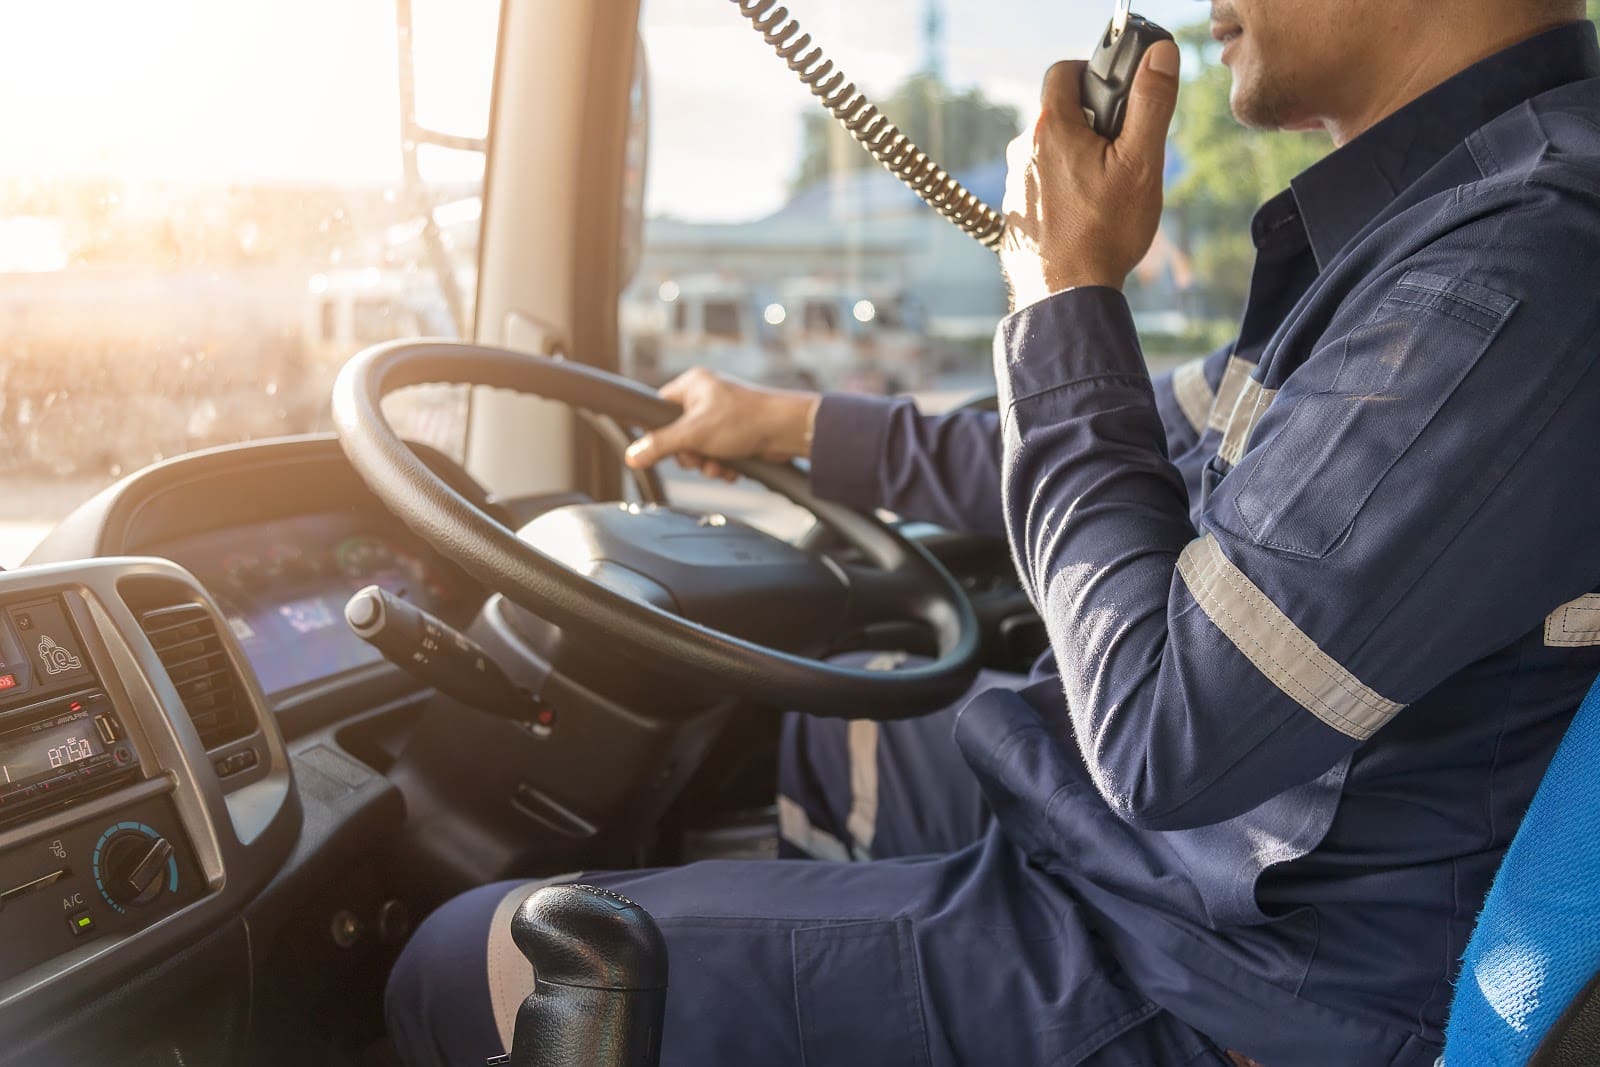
(283, 584)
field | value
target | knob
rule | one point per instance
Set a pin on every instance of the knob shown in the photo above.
(133, 867)
(600, 980)
(436, 653)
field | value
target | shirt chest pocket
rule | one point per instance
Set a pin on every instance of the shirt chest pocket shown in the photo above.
(1307, 484)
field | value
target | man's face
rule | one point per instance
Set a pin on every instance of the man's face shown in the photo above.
(1295, 61)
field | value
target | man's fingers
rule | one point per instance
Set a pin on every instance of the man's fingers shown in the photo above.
(677, 390)
(657, 445)
(642, 453)
(712, 469)
(1062, 96)
(1152, 103)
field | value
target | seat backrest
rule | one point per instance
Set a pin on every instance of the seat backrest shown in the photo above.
(1536, 947)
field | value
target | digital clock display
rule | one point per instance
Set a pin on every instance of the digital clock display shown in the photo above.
(46, 748)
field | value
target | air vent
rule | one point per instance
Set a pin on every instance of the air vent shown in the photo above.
(185, 637)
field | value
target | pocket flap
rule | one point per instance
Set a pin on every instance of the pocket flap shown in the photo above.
(858, 987)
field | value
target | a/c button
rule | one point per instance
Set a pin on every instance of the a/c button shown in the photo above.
(80, 923)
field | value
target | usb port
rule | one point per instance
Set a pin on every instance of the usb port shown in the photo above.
(107, 726)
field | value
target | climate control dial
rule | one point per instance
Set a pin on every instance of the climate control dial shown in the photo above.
(133, 865)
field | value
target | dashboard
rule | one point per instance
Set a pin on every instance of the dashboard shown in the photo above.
(121, 836)
(281, 534)
(158, 653)
(282, 585)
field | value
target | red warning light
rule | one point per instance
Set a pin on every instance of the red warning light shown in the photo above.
(8, 681)
(76, 705)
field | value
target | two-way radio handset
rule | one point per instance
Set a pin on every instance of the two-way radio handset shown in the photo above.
(1107, 81)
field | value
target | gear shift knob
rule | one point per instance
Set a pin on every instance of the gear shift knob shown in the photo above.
(600, 980)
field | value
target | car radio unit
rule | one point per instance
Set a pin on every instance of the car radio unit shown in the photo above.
(59, 736)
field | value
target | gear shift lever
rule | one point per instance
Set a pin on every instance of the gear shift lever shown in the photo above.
(600, 980)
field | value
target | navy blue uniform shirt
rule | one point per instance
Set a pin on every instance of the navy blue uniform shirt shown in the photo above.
(1321, 605)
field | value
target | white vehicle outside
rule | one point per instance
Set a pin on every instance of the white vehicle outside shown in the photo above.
(703, 320)
(860, 337)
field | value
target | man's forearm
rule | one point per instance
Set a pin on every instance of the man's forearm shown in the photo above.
(876, 452)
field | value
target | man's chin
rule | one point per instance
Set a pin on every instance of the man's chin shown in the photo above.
(1247, 111)
(1266, 111)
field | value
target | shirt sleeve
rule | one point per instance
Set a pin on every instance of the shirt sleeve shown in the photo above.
(881, 452)
(1406, 505)
(877, 452)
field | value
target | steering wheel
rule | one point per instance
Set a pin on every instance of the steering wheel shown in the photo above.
(665, 587)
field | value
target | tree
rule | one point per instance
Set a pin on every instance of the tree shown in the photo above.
(958, 128)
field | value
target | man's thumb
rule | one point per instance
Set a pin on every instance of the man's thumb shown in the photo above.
(1153, 100)
(655, 446)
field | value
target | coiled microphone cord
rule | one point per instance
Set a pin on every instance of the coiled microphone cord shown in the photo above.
(868, 126)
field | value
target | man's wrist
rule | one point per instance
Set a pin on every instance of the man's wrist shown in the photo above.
(1027, 290)
(791, 418)
(1061, 281)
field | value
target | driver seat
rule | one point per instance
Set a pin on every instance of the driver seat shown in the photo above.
(1529, 989)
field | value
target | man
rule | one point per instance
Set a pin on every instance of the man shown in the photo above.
(1305, 598)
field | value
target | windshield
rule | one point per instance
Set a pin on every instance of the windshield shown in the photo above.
(204, 211)
(776, 250)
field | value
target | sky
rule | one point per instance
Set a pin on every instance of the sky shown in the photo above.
(230, 89)
(290, 90)
(725, 111)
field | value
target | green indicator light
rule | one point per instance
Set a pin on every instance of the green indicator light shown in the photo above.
(85, 921)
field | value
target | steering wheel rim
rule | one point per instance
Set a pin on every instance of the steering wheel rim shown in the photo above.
(543, 585)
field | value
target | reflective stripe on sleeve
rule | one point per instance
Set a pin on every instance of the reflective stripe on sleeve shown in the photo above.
(1194, 393)
(1233, 378)
(1247, 411)
(1278, 648)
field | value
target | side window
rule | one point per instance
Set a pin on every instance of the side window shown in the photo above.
(776, 250)
(197, 232)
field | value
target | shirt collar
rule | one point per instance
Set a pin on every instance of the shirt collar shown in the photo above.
(1338, 196)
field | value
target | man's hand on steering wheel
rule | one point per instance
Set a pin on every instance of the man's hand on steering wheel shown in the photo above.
(666, 588)
(726, 419)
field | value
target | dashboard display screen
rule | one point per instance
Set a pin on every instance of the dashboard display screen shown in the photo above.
(44, 749)
(283, 585)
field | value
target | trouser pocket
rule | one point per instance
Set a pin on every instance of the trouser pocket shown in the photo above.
(858, 993)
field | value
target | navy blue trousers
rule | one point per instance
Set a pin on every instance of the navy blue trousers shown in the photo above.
(915, 934)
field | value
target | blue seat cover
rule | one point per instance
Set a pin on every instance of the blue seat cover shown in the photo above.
(1537, 942)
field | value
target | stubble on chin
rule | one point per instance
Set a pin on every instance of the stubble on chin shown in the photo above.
(1265, 103)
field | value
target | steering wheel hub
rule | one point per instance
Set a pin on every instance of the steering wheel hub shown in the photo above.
(703, 597)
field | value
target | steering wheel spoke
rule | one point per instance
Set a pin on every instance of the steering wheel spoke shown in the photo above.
(879, 595)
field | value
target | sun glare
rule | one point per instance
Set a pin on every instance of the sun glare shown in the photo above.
(195, 89)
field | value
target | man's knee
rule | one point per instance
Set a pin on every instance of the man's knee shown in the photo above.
(438, 1005)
